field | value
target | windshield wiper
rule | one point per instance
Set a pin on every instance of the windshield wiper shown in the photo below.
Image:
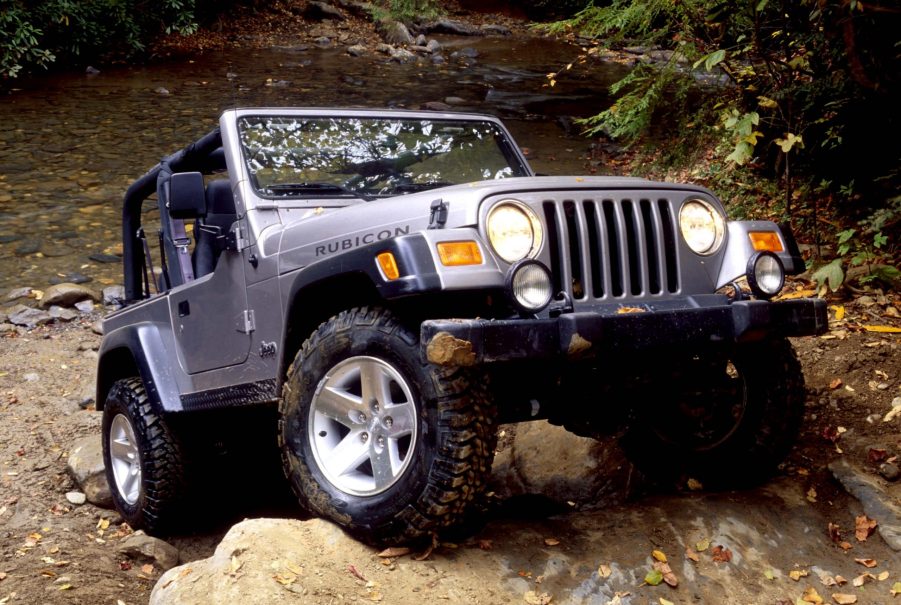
(413, 187)
(315, 189)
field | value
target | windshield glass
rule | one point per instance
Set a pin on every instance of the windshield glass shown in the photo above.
(302, 156)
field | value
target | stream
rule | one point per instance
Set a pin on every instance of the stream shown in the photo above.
(72, 143)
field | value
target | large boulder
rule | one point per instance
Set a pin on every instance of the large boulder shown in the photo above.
(394, 32)
(319, 11)
(67, 294)
(544, 459)
(85, 465)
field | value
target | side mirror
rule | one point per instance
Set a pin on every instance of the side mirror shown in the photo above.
(187, 199)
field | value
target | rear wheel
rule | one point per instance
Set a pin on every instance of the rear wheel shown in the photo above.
(375, 439)
(725, 422)
(142, 459)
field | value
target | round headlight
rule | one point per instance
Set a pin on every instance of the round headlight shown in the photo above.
(766, 276)
(514, 231)
(529, 286)
(702, 226)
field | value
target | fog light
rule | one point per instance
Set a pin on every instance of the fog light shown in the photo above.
(766, 276)
(529, 286)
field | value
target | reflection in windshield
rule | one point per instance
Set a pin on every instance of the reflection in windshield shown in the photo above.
(297, 156)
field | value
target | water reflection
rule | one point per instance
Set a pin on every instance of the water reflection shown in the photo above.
(70, 145)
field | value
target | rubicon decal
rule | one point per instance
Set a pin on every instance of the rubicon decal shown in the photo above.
(360, 240)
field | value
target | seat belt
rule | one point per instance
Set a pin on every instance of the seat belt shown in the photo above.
(182, 241)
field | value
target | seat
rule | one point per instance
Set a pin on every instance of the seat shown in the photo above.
(210, 230)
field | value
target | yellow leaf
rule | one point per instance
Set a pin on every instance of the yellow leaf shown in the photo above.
(896, 589)
(103, 524)
(839, 311)
(665, 601)
(882, 576)
(395, 551)
(551, 541)
(658, 554)
(867, 562)
(702, 545)
(65, 587)
(812, 596)
(604, 571)
(812, 495)
(769, 575)
(797, 574)
(844, 599)
(694, 485)
(883, 329)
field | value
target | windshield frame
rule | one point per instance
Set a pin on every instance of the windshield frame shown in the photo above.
(507, 147)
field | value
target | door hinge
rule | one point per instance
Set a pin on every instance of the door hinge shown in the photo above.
(246, 323)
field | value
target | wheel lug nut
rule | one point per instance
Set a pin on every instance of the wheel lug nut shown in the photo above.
(389, 422)
(361, 417)
(375, 406)
(381, 442)
(364, 437)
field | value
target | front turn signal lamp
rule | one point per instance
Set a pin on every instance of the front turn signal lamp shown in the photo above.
(455, 254)
(388, 265)
(766, 240)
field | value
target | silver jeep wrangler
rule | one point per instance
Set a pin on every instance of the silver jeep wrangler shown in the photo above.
(392, 284)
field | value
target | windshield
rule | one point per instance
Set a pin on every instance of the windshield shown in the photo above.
(301, 156)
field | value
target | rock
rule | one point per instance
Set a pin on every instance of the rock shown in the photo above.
(455, 100)
(468, 52)
(91, 71)
(17, 293)
(27, 247)
(97, 327)
(85, 306)
(420, 40)
(549, 460)
(394, 32)
(495, 30)
(889, 471)
(267, 548)
(72, 278)
(436, 106)
(319, 11)
(141, 547)
(66, 295)
(85, 465)
(5, 328)
(322, 42)
(433, 46)
(876, 503)
(31, 377)
(423, 50)
(456, 28)
(113, 295)
(357, 50)
(76, 498)
(21, 315)
(61, 313)
(438, 59)
(88, 403)
(161, 91)
(102, 257)
(402, 55)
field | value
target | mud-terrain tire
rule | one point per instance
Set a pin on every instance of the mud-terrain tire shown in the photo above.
(414, 443)
(731, 427)
(143, 461)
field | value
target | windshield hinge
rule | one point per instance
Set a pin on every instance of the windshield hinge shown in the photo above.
(437, 214)
(246, 322)
(234, 239)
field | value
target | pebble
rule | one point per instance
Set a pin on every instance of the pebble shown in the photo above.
(889, 471)
(86, 402)
(72, 278)
(357, 50)
(113, 295)
(97, 327)
(31, 377)
(161, 91)
(21, 315)
(76, 497)
(896, 402)
(61, 313)
(85, 306)
(19, 293)
(91, 71)
(100, 257)
(28, 247)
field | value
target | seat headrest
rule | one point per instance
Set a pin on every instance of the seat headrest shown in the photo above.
(219, 197)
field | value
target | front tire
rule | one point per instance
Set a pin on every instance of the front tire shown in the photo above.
(143, 462)
(724, 422)
(375, 439)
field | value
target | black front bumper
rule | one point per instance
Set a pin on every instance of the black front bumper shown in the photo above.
(588, 334)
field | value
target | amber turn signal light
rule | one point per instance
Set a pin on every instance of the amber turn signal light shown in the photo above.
(766, 240)
(388, 265)
(453, 254)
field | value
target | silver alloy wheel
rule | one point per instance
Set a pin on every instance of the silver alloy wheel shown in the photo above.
(363, 426)
(125, 458)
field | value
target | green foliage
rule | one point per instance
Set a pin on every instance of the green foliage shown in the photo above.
(413, 10)
(831, 274)
(36, 34)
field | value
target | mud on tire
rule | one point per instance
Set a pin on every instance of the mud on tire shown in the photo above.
(724, 423)
(437, 428)
(143, 461)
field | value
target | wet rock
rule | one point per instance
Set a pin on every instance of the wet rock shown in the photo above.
(889, 471)
(21, 315)
(85, 465)
(357, 50)
(27, 247)
(101, 257)
(76, 498)
(113, 295)
(455, 100)
(402, 55)
(72, 278)
(141, 547)
(423, 50)
(17, 293)
(161, 91)
(876, 503)
(320, 11)
(394, 32)
(433, 46)
(85, 306)
(436, 106)
(323, 41)
(66, 295)
(420, 40)
(456, 28)
(7, 238)
(263, 547)
(494, 29)
(438, 59)
(91, 71)
(61, 313)
(55, 250)
(468, 52)
(549, 460)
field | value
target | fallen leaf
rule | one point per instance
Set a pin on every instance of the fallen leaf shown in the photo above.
(896, 589)
(721, 554)
(235, 565)
(665, 601)
(654, 577)
(862, 579)
(355, 573)
(797, 574)
(486, 544)
(604, 571)
(876, 455)
(551, 541)
(769, 575)
(120, 602)
(659, 555)
(103, 524)
(534, 598)
(892, 414)
(812, 494)
(839, 311)
(840, 580)
(882, 329)
(428, 551)
(400, 551)
(702, 545)
(285, 579)
(864, 527)
(844, 599)
(691, 554)
(624, 310)
(66, 587)
(882, 577)
(668, 576)
(835, 383)
(2, 575)
(867, 562)
(812, 596)
(694, 485)
(147, 569)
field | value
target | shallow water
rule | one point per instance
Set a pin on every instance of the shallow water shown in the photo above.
(71, 144)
